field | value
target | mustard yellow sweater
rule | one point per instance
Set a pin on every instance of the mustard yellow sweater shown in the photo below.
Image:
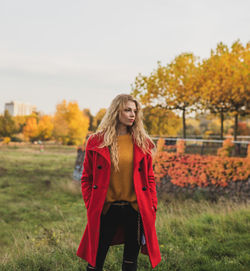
(121, 185)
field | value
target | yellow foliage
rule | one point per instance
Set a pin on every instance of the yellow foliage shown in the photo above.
(70, 124)
(161, 122)
(173, 86)
(207, 134)
(45, 127)
(19, 121)
(30, 130)
(98, 118)
(225, 79)
(6, 140)
(182, 81)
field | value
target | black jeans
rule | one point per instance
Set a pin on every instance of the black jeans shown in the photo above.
(116, 216)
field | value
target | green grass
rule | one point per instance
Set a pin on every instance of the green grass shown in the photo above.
(42, 218)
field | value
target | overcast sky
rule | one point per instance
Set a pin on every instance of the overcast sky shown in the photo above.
(89, 51)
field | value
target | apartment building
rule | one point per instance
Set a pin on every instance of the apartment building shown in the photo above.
(19, 108)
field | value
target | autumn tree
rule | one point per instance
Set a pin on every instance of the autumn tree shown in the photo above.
(183, 85)
(174, 86)
(161, 121)
(225, 82)
(30, 130)
(239, 80)
(7, 125)
(20, 122)
(70, 124)
(98, 117)
(88, 114)
(45, 128)
(215, 84)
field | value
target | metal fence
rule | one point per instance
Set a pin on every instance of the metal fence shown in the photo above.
(206, 146)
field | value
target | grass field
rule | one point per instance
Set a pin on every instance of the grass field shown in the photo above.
(42, 218)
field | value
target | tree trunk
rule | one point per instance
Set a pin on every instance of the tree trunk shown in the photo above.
(221, 124)
(184, 122)
(236, 146)
(236, 117)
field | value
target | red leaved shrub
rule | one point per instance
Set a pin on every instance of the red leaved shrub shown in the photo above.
(190, 170)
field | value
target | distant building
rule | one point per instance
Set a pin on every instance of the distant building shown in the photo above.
(19, 109)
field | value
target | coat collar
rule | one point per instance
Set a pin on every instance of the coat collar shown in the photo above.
(138, 153)
(104, 152)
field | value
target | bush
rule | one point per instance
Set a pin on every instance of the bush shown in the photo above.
(226, 149)
(6, 140)
(191, 170)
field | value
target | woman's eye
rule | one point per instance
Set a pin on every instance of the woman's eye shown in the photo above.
(128, 110)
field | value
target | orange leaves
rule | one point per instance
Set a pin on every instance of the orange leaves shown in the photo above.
(160, 144)
(248, 151)
(180, 145)
(226, 148)
(196, 170)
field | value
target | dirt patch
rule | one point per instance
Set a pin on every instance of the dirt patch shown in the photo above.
(3, 171)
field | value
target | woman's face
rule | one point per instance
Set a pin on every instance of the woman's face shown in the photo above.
(128, 114)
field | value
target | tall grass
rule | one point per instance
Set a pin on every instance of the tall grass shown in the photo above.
(42, 219)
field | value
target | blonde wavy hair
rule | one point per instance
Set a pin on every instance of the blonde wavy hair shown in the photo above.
(108, 128)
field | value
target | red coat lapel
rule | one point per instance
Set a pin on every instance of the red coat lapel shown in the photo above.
(138, 153)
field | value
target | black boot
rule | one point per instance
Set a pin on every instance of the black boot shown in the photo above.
(91, 268)
(129, 266)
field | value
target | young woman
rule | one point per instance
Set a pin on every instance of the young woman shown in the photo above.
(118, 188)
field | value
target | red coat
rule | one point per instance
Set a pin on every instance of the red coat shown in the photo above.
(95, 183)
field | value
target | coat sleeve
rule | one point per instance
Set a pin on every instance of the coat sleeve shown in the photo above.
(87, 175)
(151, 181)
